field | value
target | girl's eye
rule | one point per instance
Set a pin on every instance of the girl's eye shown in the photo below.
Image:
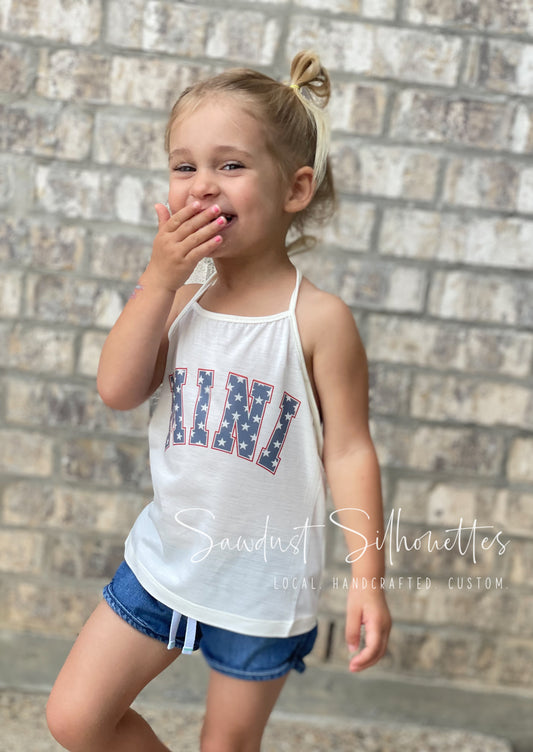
(183, 168)
(232, 166)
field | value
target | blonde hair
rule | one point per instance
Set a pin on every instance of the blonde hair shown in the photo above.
(295, 122)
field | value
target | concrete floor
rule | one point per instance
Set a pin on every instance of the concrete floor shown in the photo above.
(321, 710)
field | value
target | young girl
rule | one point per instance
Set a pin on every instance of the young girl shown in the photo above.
(264, 388)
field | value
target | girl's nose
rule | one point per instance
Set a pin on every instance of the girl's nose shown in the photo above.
(203, 184)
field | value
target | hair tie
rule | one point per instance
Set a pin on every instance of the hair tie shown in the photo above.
(295, 86)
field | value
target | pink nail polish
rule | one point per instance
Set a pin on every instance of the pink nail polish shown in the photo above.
(215, 209)
(220, 221)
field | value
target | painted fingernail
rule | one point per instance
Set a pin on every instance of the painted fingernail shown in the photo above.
(220, 221)
(215, 209)
(218, 239)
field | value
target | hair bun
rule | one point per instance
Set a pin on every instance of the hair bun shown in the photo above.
(308, 72)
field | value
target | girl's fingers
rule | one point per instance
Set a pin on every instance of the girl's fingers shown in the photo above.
(190, 218)
(205, 249)
(186, 237)
(163, 214)
(205, 234)
(177, 219)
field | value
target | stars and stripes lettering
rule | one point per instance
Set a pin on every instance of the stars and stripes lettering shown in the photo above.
(176, 432)
(199, 435)
(270, 455)
(243, 416)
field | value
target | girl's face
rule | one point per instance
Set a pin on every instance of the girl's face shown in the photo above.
(218, 155)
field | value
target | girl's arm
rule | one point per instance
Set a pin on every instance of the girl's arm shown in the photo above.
(134, 354)
(341, 379)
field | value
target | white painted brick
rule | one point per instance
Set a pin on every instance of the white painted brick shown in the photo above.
(492, 15)
(367, 8)
(151, 83)
(124, 26)
(379, 8)
(358, 107)
(502, 65)
(57, 131)
(352, 225)
(522, 131)
(485, 183)
(519, 464)
(246, 36)
(69, 406)
(517, 514)
(10, 293)
(379, 170)
(477, 241)
(433, 449)
(524, 201)
(429, 117)
(176, 28)
(380, 51)
(73, 192)
(135, 198)
(130, 142)
(463, 400)
(20, 551)
(444, 345)
(64, 507)
(71, 74)
(63, 607)
(41, 349)
(91, 347)
(120, 256)
(364, 285)
(383, 286)
(76, 23)
(25, 453)
(17, 62)
(463, 295)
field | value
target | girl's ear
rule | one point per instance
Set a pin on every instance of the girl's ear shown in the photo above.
(300, 191)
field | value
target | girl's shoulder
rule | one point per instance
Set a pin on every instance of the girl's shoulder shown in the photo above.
(320, 307)
(324, 320)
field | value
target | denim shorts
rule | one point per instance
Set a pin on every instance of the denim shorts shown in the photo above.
(237, 655)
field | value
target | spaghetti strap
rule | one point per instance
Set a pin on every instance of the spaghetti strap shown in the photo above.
(315, 412)
(198, 294)
(191, 302)
(294, 296)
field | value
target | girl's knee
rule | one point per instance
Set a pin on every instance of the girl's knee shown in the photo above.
(69, 722)
(219, 745)
(60, 722)
(216, 742)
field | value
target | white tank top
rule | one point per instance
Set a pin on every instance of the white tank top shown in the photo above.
(234, 536)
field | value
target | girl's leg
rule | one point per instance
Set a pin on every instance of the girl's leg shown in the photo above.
(110, 662)
(237, 712)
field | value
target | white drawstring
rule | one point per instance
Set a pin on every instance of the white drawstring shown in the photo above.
(173, 629)
(190, 633)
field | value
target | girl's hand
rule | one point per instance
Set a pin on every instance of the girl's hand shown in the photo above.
(181, 241)
(367, 608)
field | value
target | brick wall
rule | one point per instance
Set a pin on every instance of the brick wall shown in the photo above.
(432, 247)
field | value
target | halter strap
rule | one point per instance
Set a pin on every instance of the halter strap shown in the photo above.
(294, 296)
